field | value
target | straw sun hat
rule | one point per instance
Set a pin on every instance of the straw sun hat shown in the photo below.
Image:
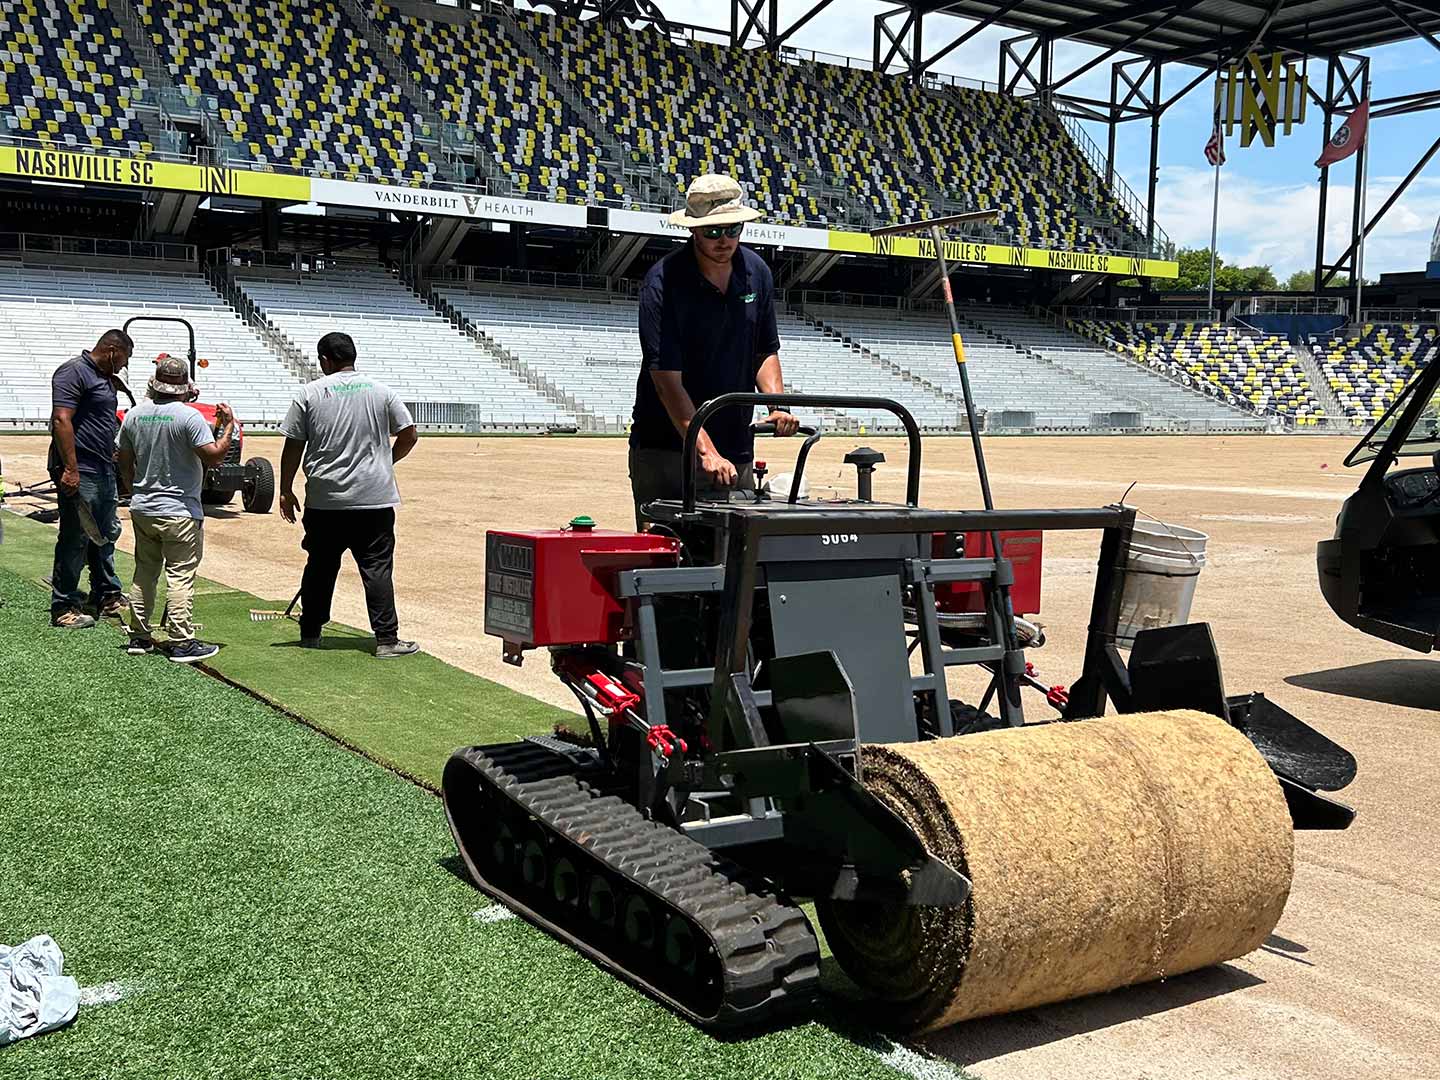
(713, 199)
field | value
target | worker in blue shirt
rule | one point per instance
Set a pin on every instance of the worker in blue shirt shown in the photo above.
(707, 327)
(83, 426)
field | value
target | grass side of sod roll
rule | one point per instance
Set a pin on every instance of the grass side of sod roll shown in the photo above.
(264, 903)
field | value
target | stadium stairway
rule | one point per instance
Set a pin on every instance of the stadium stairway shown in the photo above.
(447, 168)
(1072, 353)
(1320, 382)
(643, 179)
(585, 418)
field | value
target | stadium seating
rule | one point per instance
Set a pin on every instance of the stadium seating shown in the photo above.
(295, 83)
(402, 340)
(70, 78)
(1261, 370)
(983, 148)
(1368, 371)
(1069, 351)
(476, 77)
(834, 147)
(50, 313)
(587, 343)
(1002, 377)
(662, 108)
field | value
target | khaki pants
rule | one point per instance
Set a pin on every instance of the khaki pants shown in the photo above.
(176, 545)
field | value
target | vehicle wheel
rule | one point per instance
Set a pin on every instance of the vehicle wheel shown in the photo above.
(216, 498)
(258, 494)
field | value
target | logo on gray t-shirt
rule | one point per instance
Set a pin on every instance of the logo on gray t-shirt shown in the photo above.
(168, 474)
(346, 421)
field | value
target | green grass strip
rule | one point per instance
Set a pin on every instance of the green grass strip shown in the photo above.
(272, 906)
(408, 714)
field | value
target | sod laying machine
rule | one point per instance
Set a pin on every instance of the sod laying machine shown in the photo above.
(764, 680)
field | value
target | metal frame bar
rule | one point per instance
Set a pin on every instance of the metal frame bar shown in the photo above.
(747, 15)
(1346, 79)
(894, 43)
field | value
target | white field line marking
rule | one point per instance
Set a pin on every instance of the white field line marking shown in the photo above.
(920, 1066)
(104, 994)
(493, 914)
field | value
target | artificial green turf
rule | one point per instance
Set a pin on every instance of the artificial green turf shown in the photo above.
(273, 906)
(409, 714)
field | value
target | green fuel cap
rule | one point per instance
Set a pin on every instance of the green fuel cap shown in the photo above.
(582, 523)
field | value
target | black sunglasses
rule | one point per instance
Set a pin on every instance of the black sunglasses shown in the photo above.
(715, 232)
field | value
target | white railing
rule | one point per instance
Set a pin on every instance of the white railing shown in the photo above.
(1422, 316)
(1144, 314)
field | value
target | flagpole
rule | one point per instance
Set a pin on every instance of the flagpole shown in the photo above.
(1364, 189)
(1214, 226)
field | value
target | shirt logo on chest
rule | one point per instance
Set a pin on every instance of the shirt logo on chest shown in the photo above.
(749, 298)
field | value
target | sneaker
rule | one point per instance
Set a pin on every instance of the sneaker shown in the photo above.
(310, 643)
(192, 651)
(114, 607)
(394, 649)
(72, 620)
(140, 646)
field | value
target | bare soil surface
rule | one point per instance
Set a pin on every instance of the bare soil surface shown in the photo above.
(1348, 983)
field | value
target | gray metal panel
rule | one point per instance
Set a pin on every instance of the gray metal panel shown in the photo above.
(853, 609)
(842, 545)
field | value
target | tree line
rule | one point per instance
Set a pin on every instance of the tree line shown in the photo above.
(1195, 276)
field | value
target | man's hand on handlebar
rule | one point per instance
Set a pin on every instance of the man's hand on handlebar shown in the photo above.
(719, 469)
(785, 423)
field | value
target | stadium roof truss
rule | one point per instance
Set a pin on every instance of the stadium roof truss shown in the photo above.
(1141, 39)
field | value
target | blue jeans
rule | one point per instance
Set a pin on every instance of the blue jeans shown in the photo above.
(74, 551)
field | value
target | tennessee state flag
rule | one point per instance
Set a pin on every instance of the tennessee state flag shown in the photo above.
(1348, 139)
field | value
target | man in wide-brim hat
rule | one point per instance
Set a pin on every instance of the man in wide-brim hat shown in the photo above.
(707, 327)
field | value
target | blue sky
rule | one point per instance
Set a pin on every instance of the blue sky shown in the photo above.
(1268, 195)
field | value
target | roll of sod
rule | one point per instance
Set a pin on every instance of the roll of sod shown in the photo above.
(1102, 853)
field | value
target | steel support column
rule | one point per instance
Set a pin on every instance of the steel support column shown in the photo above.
(897, 37)
(754, 22)
(1346, 77)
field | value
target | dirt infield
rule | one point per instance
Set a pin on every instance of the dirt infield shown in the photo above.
(1340, 989)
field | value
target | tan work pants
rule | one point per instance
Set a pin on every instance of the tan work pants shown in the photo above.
(174, 544)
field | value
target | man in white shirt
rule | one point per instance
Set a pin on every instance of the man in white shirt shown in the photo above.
(339, 427)
(165, 447)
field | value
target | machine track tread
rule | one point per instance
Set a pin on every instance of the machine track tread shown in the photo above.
(710, 939)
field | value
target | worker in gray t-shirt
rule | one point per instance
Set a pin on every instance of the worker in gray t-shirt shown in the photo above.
(165, 447)
(339, 428)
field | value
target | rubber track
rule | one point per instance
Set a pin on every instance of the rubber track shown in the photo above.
(766, 949)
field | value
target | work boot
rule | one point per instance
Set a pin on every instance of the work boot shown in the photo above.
(72, 620)
(113, 607)
(394, 649)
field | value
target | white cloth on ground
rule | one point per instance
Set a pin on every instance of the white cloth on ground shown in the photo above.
(34, 996)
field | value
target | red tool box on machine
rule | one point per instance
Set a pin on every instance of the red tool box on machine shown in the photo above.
(576, 602)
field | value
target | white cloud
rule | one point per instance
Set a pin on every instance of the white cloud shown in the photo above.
(1274, 224)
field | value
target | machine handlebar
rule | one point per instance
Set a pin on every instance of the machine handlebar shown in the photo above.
(821, 401)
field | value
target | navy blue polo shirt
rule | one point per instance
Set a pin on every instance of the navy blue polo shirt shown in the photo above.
(78, 384)
(715, 340)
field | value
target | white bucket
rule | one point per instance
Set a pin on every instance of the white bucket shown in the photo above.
(1160, 575)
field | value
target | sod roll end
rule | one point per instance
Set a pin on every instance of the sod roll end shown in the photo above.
(1103, 853)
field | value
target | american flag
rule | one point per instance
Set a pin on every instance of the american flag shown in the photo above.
(1215, 148)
